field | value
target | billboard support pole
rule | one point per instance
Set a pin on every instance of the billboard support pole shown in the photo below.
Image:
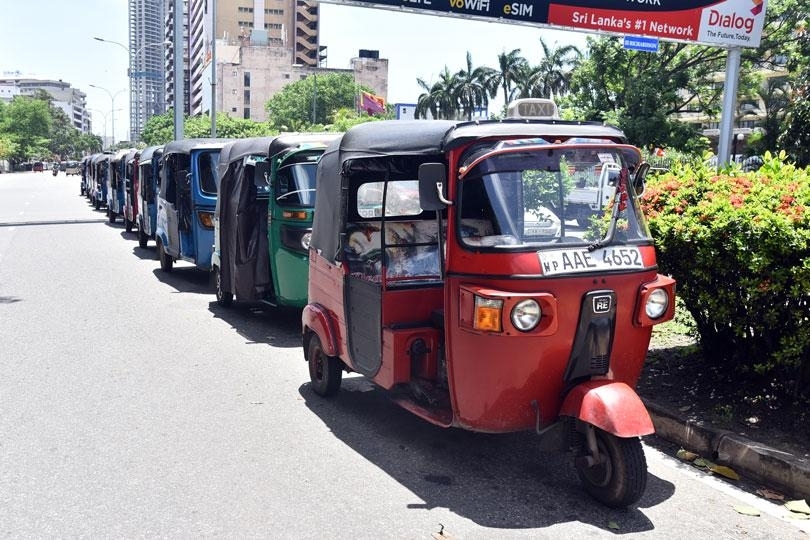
(729, 105)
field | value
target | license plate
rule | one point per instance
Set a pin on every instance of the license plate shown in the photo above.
(580, 260)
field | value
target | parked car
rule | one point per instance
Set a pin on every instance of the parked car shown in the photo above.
(38, 167)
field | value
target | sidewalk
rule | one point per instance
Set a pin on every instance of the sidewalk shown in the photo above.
(773, 468)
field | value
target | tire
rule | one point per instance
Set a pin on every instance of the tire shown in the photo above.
(224, 299)
(111, 216)
(96, 204)
(325, 372)
(142, 238)
(127, 225)
(621, 478)
(165, 259)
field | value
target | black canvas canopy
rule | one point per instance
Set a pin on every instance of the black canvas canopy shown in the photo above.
(381, 145)
(242, 214)
(148, 152)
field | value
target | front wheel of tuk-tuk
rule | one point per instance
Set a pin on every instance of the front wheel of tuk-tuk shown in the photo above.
(128, 225)
(619, 477)
(325, 371)
(165, 259)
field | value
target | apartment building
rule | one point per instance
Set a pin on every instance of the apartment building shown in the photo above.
(260, 47)
(72, 101)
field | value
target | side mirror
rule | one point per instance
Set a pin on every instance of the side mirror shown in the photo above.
(639, 184)
(431, 184)
(261, 174)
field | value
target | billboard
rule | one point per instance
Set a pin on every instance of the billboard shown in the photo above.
(725, 22)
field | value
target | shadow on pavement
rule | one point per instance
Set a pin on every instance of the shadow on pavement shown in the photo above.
(187, 279)
(280, 327)
(496, 480)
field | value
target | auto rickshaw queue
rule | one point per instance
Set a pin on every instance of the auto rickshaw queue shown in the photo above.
(424, 257)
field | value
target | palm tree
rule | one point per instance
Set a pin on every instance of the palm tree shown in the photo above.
(509, 67)
(438, 98)
(528, 83)
(556, 68)
(473, 87)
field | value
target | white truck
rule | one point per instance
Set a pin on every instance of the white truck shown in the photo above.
(591, 192)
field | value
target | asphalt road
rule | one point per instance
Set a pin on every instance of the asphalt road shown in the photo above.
(131, 405)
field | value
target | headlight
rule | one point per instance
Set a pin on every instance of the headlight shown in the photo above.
(305, 240)
(526, 314)
(657, 303)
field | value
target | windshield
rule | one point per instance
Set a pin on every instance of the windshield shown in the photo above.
(526, 195)
(296, 180)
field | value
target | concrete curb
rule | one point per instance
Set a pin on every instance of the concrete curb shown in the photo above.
(774, 468)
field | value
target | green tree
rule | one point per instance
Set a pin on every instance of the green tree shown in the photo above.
(291, 109)
(473, 87)
(795, 135)
(644, 92)
(510, 66)
(64, 137)
(26, 122)
(438, 98)
(555, 69)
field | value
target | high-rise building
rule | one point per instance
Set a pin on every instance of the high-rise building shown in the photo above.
(171, 20)
(147, 61)
(259, 47)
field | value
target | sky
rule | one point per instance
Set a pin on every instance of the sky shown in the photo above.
(53, 39)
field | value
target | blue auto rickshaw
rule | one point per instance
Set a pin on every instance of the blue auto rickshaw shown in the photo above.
(186, 200)
(149, 165)
(101, 170)
(116, 183)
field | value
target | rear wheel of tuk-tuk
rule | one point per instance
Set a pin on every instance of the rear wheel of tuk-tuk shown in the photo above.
(224, 299)
(620, 476)
(127, 225)
(325, 371)
(165, 259)
(111, 215)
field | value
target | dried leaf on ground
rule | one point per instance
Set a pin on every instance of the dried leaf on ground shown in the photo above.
(722, 470)
(747, 510)
(702, 463)
(686, 455)
(800, 506)
(770, 494)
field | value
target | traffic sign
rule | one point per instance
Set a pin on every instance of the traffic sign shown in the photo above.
(640, 43)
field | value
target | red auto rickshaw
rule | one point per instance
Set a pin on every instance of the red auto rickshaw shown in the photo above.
(444, 267)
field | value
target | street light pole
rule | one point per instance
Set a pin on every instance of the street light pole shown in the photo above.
(132, 59)
(112, 108)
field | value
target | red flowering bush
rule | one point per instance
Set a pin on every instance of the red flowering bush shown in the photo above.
(739, 246)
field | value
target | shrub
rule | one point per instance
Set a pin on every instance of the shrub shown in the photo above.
(739, 246)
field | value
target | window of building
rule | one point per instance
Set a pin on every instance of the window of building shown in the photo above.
(247, 79)
(247, 96)
(246, 113)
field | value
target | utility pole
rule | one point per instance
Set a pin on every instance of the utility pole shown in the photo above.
(179, 89)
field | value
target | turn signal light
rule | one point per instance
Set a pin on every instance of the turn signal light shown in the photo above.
(206, 219)
(294, 214)
(487, 314)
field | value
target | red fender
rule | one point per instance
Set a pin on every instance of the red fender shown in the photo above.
(609, 405)
(317, 318)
